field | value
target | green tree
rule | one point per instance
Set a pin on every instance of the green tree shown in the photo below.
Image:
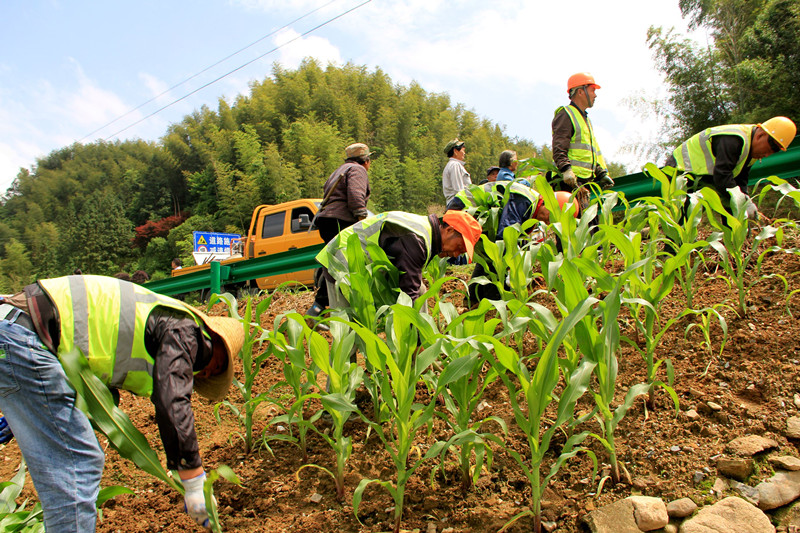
(15, 268)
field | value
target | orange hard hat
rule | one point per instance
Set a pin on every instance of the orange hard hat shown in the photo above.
(564, 202)
(580, 79)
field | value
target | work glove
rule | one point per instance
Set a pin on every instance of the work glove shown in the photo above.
(582, 195)
(569, 178)
(194, 501)
(751, 211)
(5, 431)
(605, 182)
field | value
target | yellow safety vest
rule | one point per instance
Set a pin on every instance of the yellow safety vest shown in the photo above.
(694, 156)
(105, 318)
(333, 255)
(523, 190)
(584, 153)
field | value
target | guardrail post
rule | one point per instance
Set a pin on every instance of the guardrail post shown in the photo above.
(216, 271)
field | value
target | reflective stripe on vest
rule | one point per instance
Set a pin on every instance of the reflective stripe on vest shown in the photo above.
(695, 156)
(524, 190)
(584, 153)
(333, 255)
(105, 318)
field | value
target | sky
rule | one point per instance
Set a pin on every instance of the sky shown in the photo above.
(69, 68)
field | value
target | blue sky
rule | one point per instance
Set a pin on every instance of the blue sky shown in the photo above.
(69, 67)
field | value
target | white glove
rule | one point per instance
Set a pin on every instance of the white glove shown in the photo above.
(569, 178)
(194, 501)
(751, 211)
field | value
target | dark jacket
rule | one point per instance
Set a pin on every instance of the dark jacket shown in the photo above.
(726, 150)
(409, 253)
(350, 194)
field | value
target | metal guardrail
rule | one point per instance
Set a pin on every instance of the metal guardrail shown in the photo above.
(219, 275)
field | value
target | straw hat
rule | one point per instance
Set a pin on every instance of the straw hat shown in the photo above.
(231, 331)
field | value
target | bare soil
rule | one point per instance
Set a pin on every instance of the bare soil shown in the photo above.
(754, 381)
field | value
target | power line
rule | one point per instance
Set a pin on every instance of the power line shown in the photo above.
(204, 70)
(227, 73)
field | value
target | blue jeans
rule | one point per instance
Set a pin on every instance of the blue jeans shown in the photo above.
(55, 437)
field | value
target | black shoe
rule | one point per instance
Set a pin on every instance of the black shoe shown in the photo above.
(313, 312)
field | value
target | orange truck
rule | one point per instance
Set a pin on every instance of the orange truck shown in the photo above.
(274, 229)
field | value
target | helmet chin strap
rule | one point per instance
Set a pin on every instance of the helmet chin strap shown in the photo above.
(586, 93)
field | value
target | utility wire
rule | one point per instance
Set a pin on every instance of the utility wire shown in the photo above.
(202, 71)
(227, 73)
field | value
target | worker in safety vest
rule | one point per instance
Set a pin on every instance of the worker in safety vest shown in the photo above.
(133, 339)
(576, 153)
(524, 203)
(410, 241)
(721, 156)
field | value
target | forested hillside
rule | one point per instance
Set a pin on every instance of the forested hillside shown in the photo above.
(106, 207)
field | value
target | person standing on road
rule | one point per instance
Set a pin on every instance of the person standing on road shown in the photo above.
(345, 193)
(455, 177)
(721, 156)
(134, 339)
(576, 152)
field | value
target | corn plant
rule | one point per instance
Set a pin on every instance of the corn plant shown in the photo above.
(15, 517)
(600, 346)
(706, 319)
(732, 239)
(462, 395)
(574, 235)
(677, 217)
(208, 492)
(344, 377)
(531, 394)
(397, 369)
(646, 287)
(254, 336)
(299, 377)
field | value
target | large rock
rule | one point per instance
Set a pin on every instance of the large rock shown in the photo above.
(615, 518)
(650, 513)
(785, 462)
(727, 516)
(735, 467)
(780, 489)
(750, 445)
(793, 427)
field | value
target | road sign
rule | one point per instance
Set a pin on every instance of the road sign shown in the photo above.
(218, 243)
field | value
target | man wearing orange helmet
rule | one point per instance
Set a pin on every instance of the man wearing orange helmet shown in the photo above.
(721, 156)
(576, 153)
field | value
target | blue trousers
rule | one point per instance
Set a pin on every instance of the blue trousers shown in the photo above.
(57, 441)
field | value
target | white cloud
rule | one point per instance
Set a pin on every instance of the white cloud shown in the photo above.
(295, 48)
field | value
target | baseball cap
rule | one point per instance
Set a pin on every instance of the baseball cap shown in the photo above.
(455, 143)
(231, 332)
(492, 169)
(467, 226)
(357, 150)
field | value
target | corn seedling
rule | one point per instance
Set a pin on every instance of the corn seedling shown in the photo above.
(208, 492)
(736, 253)
(299, 376)
(15, 517)
(344, 377)
(463, 394)
(397, 368)
(706, 319)
(645, 289)
(601, 347)
(254, 336)
(531, 394)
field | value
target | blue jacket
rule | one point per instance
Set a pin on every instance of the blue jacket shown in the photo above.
(505, 174)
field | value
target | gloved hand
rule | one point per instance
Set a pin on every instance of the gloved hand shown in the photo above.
(605, 182)
(569, 178)
(194, 502)
(751, 211)
(5, 431)
(583, 198)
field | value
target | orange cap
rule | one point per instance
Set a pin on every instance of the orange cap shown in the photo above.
(580, 79)
(467, 226)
